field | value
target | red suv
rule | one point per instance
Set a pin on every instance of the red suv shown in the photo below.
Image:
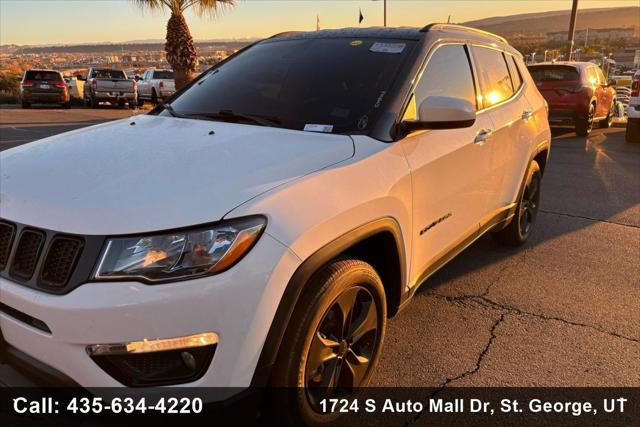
(577, 93)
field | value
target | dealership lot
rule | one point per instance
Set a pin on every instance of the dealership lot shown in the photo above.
(564, 310)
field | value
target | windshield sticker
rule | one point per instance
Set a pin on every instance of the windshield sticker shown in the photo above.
(356, 43)
(387, 47)
(318, 128)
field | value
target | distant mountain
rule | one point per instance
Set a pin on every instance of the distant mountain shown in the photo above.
(547, 22)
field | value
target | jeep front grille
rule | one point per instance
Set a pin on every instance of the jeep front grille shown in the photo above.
(27, 254)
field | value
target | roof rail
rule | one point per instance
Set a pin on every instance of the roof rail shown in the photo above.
(285, 33)
(463, 28)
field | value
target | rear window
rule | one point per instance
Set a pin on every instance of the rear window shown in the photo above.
(51, 76)
(109, 74)
(163, 75)
(553, 73)
(334, 84)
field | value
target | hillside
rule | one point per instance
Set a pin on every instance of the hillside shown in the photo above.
(545, 22)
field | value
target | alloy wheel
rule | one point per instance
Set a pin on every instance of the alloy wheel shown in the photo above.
(342, 347)
(529, 204)
(590, 118)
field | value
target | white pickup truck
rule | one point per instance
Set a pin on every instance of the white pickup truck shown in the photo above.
(109, 85)
(155, 85)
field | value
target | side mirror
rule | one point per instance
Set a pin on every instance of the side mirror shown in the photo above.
(79, 77)
(137, 78)
(442, 112)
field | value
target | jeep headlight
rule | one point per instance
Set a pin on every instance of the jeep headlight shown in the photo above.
(181, 254)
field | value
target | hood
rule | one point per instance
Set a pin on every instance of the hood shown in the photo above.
(156, 174)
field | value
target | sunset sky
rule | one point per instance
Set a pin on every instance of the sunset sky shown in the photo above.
(85, 21)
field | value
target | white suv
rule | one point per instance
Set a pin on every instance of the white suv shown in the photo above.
(260, 229)
(633, 111)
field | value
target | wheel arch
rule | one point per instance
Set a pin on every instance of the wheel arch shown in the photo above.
(378, 243)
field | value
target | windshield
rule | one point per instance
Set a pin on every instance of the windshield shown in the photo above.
(109, 74)
(43, 75)
(554, 73)
(163, 74)
(328, 85)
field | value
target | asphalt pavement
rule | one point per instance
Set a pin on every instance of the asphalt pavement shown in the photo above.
(563, 310)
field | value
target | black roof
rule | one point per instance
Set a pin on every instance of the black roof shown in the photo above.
(406, 33)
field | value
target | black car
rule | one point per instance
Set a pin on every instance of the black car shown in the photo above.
(44, 87)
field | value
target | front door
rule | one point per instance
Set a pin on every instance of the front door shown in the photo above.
(450, 169)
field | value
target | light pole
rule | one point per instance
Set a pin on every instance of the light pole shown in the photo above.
(385, 13)
(572, 27)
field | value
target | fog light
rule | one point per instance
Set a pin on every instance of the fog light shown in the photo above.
(156, 362)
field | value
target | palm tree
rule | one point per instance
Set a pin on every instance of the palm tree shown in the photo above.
(180, 49)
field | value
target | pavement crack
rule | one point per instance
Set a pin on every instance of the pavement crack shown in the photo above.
(467, 373)
(482, 355)
(588, 218)
(518, 311)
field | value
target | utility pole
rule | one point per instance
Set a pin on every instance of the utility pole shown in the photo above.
(572, 27)
(385, 13)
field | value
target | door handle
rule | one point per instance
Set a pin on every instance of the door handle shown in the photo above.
(526, 114)
(482, 136)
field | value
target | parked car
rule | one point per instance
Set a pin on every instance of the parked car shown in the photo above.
(109, 85)
(633, 111)
(155, 85)
(74, 87)
(260, 228)
(577, 93)
(43, 87)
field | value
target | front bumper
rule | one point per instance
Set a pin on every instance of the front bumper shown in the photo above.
(238, 305)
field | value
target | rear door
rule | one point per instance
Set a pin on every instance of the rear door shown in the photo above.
(504, 99)
(450, 169)
(605, 97)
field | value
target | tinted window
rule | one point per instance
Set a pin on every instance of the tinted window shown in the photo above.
(493, 75)
(163, 74)
(447, 74)
(43, 75)
(109, 74)
(516, 78)
(340, 82)
(553, 73)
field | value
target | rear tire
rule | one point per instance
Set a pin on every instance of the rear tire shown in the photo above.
(25, 104)
(584, 125)
(632, 133)
(66, 105)
(325, 344)
(519, 229)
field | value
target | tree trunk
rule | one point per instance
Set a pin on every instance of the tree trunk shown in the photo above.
(180, 49)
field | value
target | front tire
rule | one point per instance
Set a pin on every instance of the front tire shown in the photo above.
(632, 133)
(519, 229)
(332, 343)
(154, 97)
(608, 121)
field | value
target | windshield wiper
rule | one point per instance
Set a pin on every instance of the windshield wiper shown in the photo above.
(228, 115)
(171, 111)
